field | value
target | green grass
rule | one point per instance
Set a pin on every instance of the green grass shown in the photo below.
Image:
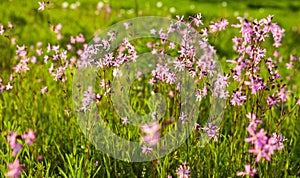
(66, 151)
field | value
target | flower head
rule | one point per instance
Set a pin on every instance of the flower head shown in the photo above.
(183, 117)
(198, 20)
(42, 6)
(219, 26)
(44, 90)
(238, 99)
(14, 169)
(29, 137)
(248, 171)
(212, 131)
(183, 171)
(96, 164)
(146, 150)
(2, 29)
(152, 133)
(125, 120)
(14, 145)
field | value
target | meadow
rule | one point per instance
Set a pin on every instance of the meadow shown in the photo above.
(246, 95)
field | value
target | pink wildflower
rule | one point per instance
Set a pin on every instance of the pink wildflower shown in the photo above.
(248, 171)
(29, 137)
(14, 169)
(42, 6)
(183, 171)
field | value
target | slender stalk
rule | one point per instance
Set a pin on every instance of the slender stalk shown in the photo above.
(136, 8)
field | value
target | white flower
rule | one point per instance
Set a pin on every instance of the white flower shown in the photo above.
(42, 6)
(65, 5)
(125, 120)
(117, 72)
(183, 117)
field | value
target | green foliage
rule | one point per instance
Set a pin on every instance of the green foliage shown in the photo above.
(67, 153)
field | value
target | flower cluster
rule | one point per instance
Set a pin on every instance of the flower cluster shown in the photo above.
(88, 98)
(15, 167)
(57, 30)
(246, 71)
(163, 73)
(211, 130)
(248, 171)
(218, 26)
(22, 66)
(199, 66)
(251, 54)
(152, 136)
(263, 146)
(42, 6)
(183, 171)
(237, 98)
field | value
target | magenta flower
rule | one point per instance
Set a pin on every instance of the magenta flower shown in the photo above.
(42, 6)
(146, 150)
(183, 171)
(14, 169)
(238, 99)
(277, 33)
(298, 102)
(276, 54)
(197, 20)
(219, 86)
(211, 130)
(125, 120)
(96, 164)
(44, 90)
(283, 93)
(88, 98)
(29, 137)
(14, 145)
(201, 93)
(2, 29)
(259, 140)
(289, 65)
(219, 26)
(255, 84)
(248, 171)
(277, 141)
(40, 157)
(197, 126)
(80, 38)
(9, 86)
(163, 73)
(10, 25)
(152, 81)
(263, 146)
(127, 25)
(183, 117)
(204, 32)
(153, 31)
(2, 88)
(151, 139)
(72, 40)
(253, 121)
(272, 100)
(152, 135)
(12, 138)
(171, 94)
(21, 51)
(16, 149)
